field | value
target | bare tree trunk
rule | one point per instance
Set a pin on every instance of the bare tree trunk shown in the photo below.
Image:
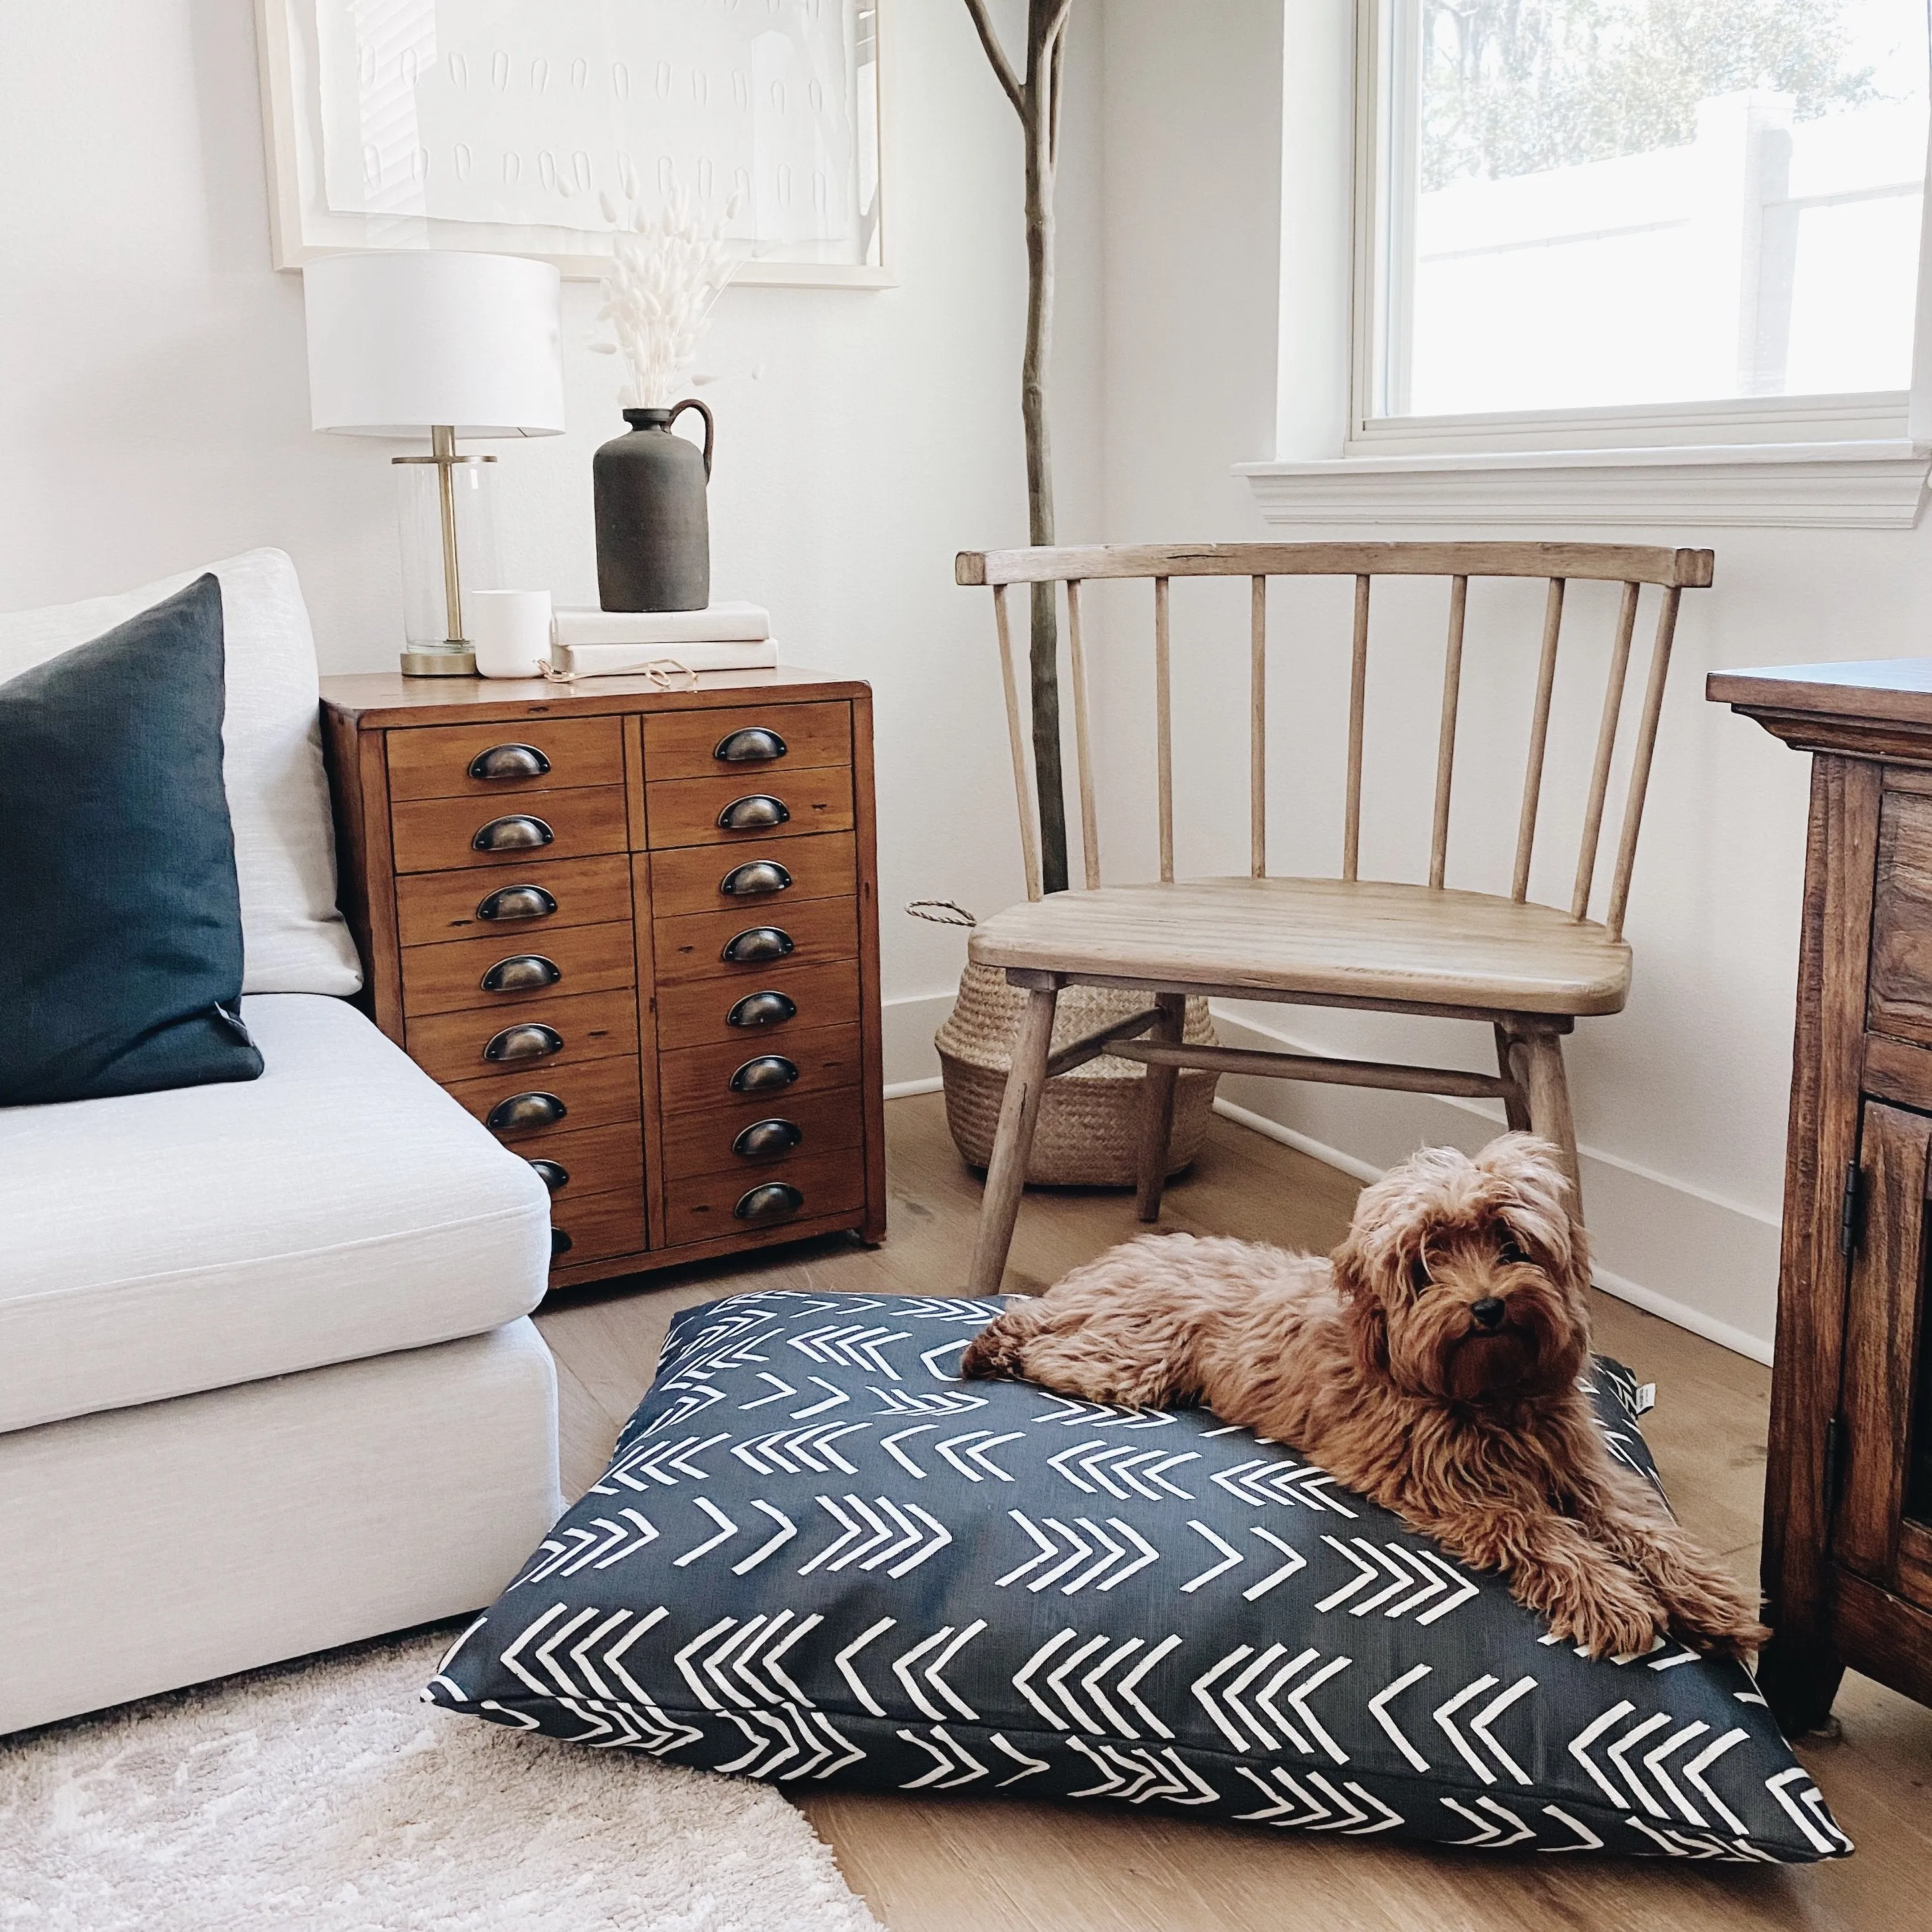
(1045, 639)
(1037, 99)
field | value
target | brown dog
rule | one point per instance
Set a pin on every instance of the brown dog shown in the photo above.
(1430, 1366)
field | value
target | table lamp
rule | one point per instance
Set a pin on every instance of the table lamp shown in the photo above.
(410, 342)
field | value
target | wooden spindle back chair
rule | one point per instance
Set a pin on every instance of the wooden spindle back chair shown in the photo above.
(1528, 969)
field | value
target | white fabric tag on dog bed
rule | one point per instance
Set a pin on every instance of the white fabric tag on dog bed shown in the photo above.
(1646, 1397)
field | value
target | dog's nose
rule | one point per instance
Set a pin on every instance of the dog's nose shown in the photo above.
(1486, 1313)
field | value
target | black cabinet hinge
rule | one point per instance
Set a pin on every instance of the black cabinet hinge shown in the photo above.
(1834, 1460)
(1848, 1212)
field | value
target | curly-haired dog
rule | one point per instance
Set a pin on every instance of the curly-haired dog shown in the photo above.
(1431, 1365)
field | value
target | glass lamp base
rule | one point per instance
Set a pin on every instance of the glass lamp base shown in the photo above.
(438, 661)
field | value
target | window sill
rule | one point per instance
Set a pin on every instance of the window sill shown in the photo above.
(1878, 485)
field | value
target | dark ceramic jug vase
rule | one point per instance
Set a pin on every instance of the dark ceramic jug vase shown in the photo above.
(653, 536)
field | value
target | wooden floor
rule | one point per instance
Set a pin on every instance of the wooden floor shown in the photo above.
(961, 1866)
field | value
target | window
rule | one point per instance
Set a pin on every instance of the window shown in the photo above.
(1651, 221)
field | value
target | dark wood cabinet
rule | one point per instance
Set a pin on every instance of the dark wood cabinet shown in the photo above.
(1848, 1499)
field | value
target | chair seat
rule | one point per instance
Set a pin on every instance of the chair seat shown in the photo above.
(1366, 940)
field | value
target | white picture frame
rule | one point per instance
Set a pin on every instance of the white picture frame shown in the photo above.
(306, 221)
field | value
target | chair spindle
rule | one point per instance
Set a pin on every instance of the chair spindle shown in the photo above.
(1539, 740)
(1646, 744)
(1164, 728)
(1358, 692)
(1258, 729)
(1607, 743)
(1090, 818)
(1016, 743)
(1445, 742)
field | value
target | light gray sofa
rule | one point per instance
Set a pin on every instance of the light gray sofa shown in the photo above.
(267, 1380)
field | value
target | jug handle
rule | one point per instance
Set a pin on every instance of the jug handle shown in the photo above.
(710, 428)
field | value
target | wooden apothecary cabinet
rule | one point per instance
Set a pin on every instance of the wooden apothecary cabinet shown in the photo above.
(1848, 1499)
(634, 932)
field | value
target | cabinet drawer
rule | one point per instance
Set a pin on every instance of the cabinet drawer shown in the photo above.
(698, 744)
(584, 959)
(700, 878)
(594, 1160)
(587, 1026)
(701, 1076)
(827, 1183)
(488, 760)
(598, 1094)
(700, 946)
(596, 1227)
(686, 811)
(512, 899)
(705, 1140)
(433, 834)
(703, 1010)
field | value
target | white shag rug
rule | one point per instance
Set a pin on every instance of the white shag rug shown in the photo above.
(324, 1795)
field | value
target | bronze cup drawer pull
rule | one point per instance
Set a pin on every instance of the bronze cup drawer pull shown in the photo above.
(763, 1139)
(754, 943)
(525, 1110)
(753, 745)
(765, 1074)
(516, 902)
(776, 1201)
(509, 761)
(533, 1041)
(761, 1009)
(521, 973)
(553, 1174)
(518, 832)
(753, 880)
(560, 1244)
(759, 812)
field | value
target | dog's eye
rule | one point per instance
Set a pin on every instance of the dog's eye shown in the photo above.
(1512, 1255)
(1418, 1275)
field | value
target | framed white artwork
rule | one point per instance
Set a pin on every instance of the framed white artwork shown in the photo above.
(503, 125)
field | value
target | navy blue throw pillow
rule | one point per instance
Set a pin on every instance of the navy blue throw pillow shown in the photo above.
(819, 1557)
(122, 973)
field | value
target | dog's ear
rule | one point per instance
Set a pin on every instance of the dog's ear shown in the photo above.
(1541, 1210)
(1362, 1311)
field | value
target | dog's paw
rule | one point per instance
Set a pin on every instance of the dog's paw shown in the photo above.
(1718, 1629)
(1608, 1615)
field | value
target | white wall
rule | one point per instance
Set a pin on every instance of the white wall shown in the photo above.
(1680, 1100)
(155, 407)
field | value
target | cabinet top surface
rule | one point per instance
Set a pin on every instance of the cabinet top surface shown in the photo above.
(382, 698)
(1889, 690)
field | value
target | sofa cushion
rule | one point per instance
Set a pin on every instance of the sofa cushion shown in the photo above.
(126, 976)
(342, 1205)
(818, 1557)
(277, 794)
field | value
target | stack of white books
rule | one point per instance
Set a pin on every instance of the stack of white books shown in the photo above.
(722, 636)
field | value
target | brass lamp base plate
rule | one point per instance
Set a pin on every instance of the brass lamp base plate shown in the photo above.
(438, 661)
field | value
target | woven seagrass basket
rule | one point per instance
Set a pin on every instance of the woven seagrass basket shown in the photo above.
(1089, 1131)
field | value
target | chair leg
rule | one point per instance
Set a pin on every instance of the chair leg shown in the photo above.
(1157, 1086)
(1019, 1114)
(1540, 1055)
(1516, 1109)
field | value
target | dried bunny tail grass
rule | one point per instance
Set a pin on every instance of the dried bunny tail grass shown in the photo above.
(666, 270)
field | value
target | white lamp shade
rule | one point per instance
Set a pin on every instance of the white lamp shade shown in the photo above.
(400, 342)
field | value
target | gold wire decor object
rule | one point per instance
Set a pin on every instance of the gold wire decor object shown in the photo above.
(661, 674)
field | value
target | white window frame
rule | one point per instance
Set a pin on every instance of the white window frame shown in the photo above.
(1857, 460)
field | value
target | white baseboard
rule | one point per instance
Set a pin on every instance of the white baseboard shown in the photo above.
(905, 1090)
(1674, 1249)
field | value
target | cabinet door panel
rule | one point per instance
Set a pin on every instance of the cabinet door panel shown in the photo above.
(1881, 1337)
